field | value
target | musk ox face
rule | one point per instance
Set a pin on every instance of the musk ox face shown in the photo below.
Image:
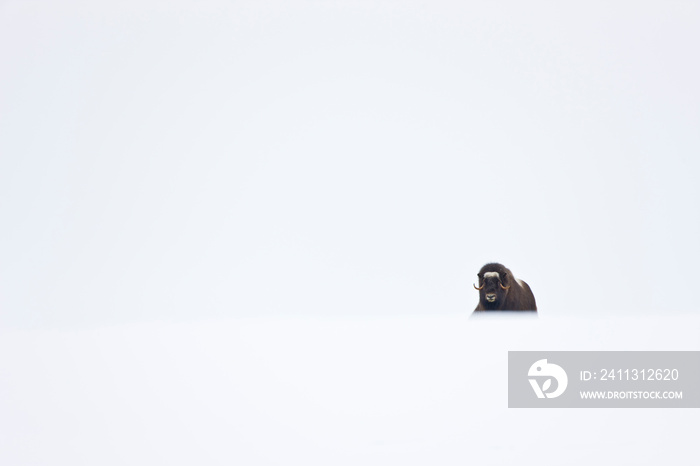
(493, 288)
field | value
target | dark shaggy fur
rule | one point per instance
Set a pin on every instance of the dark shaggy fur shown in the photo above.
(517, 297)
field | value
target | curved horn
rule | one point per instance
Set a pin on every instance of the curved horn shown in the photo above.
(478, 287)
(501, 284)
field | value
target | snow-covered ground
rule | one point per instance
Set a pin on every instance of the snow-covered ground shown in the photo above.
(385, 390)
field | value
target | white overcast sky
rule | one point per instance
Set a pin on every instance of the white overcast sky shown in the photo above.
(186, 160)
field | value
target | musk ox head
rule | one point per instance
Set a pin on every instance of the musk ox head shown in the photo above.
(494, 284)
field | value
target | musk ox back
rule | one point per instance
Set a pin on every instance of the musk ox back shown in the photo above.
(499, 290)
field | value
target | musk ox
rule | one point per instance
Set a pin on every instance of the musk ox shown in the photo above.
(499, 290)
